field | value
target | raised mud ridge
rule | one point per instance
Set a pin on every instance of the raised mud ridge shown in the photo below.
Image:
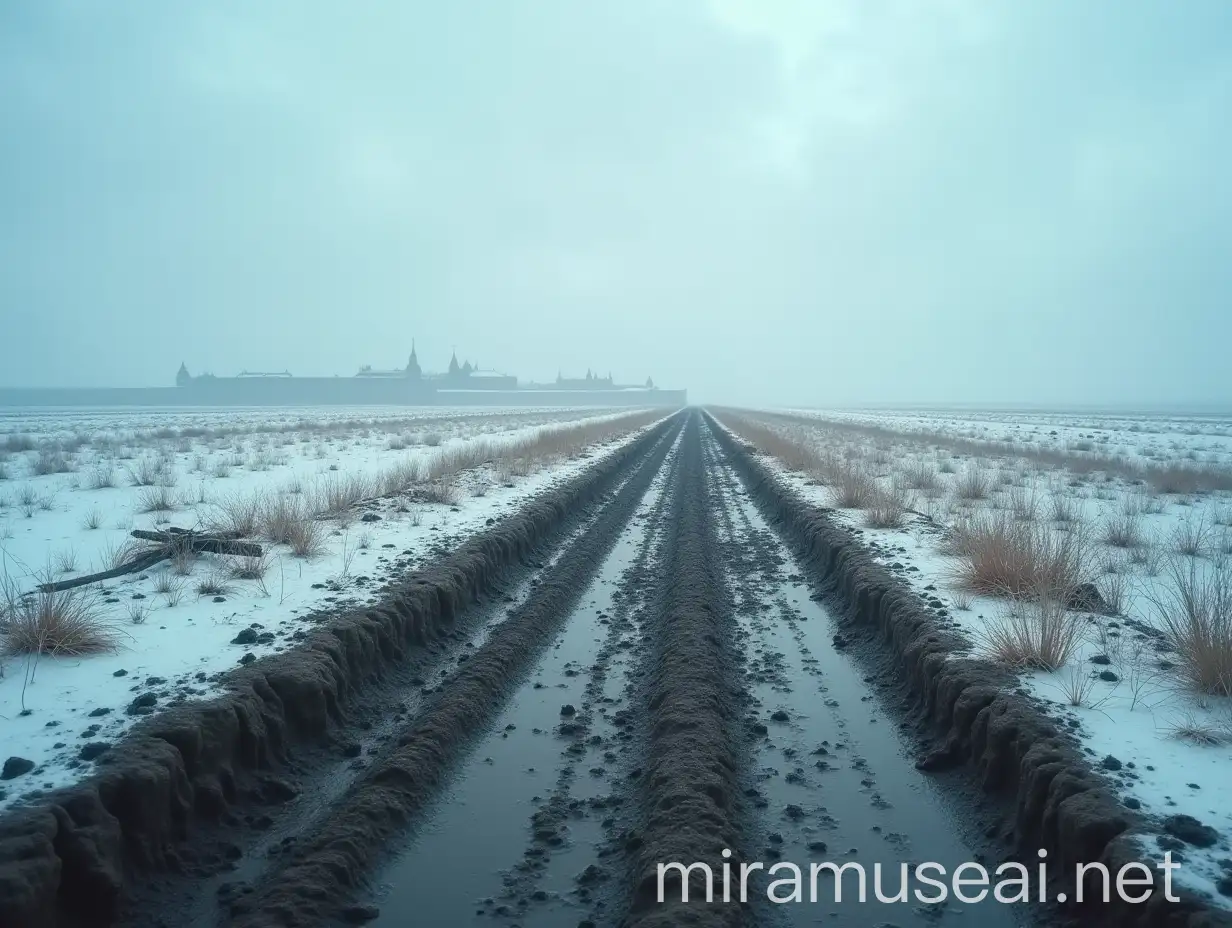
(688, 788)
(72, 858)
(1014, 751)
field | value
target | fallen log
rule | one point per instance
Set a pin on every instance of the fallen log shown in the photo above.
(212, 544)
(169, 543)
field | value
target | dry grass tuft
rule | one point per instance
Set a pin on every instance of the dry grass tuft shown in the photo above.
(156, 499)
(253, 567)
(1078, 685)
(887, 508)
(1123, 531)
(337, 494)
(51, 460)
(1194, 610)
(1035, 634)
(1189, 727)
(239, 514)
(921, 475)
(1113, 586)
(853, 488)
(1007, 557)
(307, 539)
(790, 452)
(151, 472)
(440, 491)
(66, 623)
(973, 484)
(1192, 537)
(280, 518)
(213, 585)
(962, 599)
(401, 477)
(66, 561)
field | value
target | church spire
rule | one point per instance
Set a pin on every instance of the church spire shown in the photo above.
(412, 364)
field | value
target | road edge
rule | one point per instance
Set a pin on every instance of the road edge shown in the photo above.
(1061, 804)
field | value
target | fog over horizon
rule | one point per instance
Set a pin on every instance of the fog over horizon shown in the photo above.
(766, 202)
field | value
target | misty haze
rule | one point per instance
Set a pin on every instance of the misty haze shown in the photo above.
(615, 465)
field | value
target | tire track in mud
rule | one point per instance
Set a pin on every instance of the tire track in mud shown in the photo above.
(670, 688)
(314, 884)
(251, 845)
(684, 792)
(831, 779)
(407, 691)
(556, 741)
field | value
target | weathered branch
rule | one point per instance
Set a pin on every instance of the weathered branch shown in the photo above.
(170, 543)
(141, 562)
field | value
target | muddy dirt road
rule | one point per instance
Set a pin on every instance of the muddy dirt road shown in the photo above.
(663, 684)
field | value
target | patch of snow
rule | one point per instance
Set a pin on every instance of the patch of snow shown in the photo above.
(52, 707)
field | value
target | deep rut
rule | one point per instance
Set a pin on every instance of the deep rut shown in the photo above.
(832, 779)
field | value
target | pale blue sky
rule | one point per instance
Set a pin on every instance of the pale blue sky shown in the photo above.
(766, 201)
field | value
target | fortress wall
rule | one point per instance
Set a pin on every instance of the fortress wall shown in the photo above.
(326, 391)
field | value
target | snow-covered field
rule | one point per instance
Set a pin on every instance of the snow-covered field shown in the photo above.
(363, 493)
(1139, 506)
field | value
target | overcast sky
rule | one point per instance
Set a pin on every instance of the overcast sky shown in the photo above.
(765, 201)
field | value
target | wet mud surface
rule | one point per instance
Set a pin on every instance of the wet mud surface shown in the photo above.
(832, 776)
(664, 682)
(694, 701)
